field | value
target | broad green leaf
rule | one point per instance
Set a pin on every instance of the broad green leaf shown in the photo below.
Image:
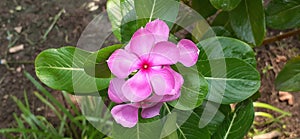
(147, 10)
(63, 69)
(150, 130)
(114, 14)
(288, 78)
(225, 5)
(122, 17)
(190, 128)
(212, 115)
(248, 21)
(283, 14)
(236, 124)
(230, 48)
(204, 8)
(186, 123)
(230, 80)
(96, 65)
(193, 91)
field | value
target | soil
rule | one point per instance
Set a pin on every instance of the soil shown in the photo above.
(36, 16)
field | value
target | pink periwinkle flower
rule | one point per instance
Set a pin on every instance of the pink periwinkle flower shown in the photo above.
(148, 56)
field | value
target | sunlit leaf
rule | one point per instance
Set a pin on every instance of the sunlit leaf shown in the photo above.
(288, 78)
(63, 69)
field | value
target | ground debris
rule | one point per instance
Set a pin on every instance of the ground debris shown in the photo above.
(270, 135)
(286, 96)
(16, 48)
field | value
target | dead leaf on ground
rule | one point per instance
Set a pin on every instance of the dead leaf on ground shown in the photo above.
(280, 58)
(286, 96)
(270, 135)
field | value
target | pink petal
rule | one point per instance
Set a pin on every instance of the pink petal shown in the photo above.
(137, 88)
(162, 81)
(188, 52)
(159, 29)
(176, 91)
(151, 111)
(115, 92)
(164, 53)
(141, 42)
(122, 63)
(126, 115)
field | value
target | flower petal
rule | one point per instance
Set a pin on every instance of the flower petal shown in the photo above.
(164, 53)
(122, 63)
(176, 91)
(151, 111)
(188, 52)
(162, 81)
(126, 115)
(137, 88)
(141, 42)
(159, 29)
(115, 92)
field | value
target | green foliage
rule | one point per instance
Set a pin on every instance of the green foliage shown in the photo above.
(229, 86)
(63, 69)
(226, 5)
(283, 14)
(96, 65)
(288, 78)
(129, 15)
(225, 47)
(193, 91)
(31, 126)
(237, 123)
(229, 67)
(203, 7)
(248, 21)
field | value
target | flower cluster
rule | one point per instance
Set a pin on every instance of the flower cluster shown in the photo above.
(144, 78)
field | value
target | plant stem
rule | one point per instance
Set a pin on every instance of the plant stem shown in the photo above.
(281, 36)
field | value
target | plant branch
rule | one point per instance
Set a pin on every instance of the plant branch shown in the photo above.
(281, 36)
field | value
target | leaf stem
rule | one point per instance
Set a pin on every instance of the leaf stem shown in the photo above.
(281, 36)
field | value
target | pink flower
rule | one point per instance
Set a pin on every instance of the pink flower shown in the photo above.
(148, 56)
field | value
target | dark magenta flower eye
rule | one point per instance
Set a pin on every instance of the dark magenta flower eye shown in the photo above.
(149, 55)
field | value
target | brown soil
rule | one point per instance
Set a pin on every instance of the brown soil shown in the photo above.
(35, 17)
(273, 56)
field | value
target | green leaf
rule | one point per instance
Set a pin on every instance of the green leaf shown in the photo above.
(140, 131)
(230, 80)
(193, 91)
(221, 31)
(236, 124)
(191, 130)
(219, 47)
(204, 8)
(96, 65)
(63, 69)
(212, 115)
(128, 16)
(288, 78)
(122, 17)
(186, 123)
(148, 10)
(225, 5)
(248, 21)
(114, 14)
(283, 14)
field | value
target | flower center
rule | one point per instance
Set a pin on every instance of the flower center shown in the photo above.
(145, 66)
